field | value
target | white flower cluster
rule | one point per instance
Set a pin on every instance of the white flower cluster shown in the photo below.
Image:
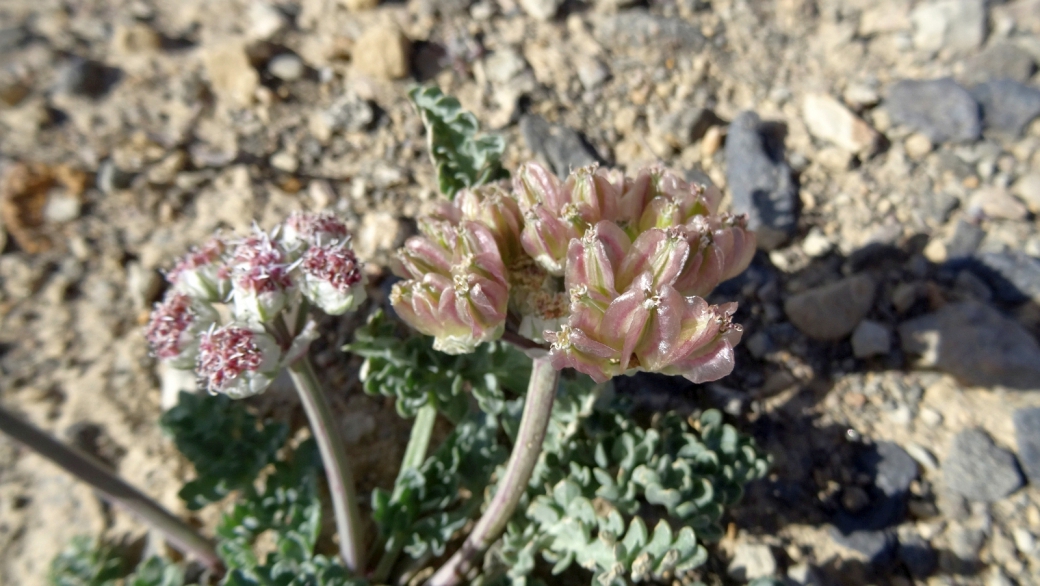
(227, 313)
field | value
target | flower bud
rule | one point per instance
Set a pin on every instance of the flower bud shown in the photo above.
(657, 198)
(237, 361)
(456, 289)
(261, 279)
(572, 348)
(591, 191)
(174, 328)
(332, 278)
(492, 206)
(203, 273)
(663, 253)
(736, 243)
(460, 312)
(691, 338)
(548, 234)
(535, 185)
(591, 261)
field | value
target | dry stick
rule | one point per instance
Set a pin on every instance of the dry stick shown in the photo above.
(541, 391)
(337, 468)
(113, 489)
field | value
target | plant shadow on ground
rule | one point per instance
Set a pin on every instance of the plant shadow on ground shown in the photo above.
(778, 398)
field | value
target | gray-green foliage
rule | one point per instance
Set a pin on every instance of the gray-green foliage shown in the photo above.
(426, 507)
(405, 366)
(90, 562)
(225, 443)
(461, 158)
(287, 509)
(602, 482)
(156, 571)
(231, 450)
(86, 562)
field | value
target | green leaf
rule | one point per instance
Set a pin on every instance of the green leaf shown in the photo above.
(461, 158)
(425, 510)
(226, 444)
(636, 537)
(156, 571)
(86, 562)
(401, 363)
(661, 540)
(621, 469)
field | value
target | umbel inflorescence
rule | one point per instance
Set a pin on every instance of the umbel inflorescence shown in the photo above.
(610, 270)
(235, 311)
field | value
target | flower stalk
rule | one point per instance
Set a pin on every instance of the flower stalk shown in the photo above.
(113, 489)
(541, 391)
(334, 457)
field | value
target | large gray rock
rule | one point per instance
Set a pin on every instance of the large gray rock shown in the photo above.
(1027, 436)
(976, 344)
(1007, 105)
(978, 469)
(833, 311)
(760, 180)
(940, 109)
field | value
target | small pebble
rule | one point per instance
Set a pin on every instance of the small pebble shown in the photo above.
(1024, 540)
(917, 145)
(931, 417)
(286, 67)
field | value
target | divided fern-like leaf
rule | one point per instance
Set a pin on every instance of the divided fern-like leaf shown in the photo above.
(425, 508)
(225, 443)
(405, 366)
(461, 158)
(289, 511)
(156, 571)
(592, 506)
(86, 562)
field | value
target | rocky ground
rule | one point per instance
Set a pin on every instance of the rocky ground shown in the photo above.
(888, 151)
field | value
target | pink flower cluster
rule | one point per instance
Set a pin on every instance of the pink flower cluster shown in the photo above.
(226, 314)
(610, 270)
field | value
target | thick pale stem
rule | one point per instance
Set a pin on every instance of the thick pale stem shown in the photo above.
(414, 456)
(419, 441)
(337, 468)
(113, 489)
(541, 391)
